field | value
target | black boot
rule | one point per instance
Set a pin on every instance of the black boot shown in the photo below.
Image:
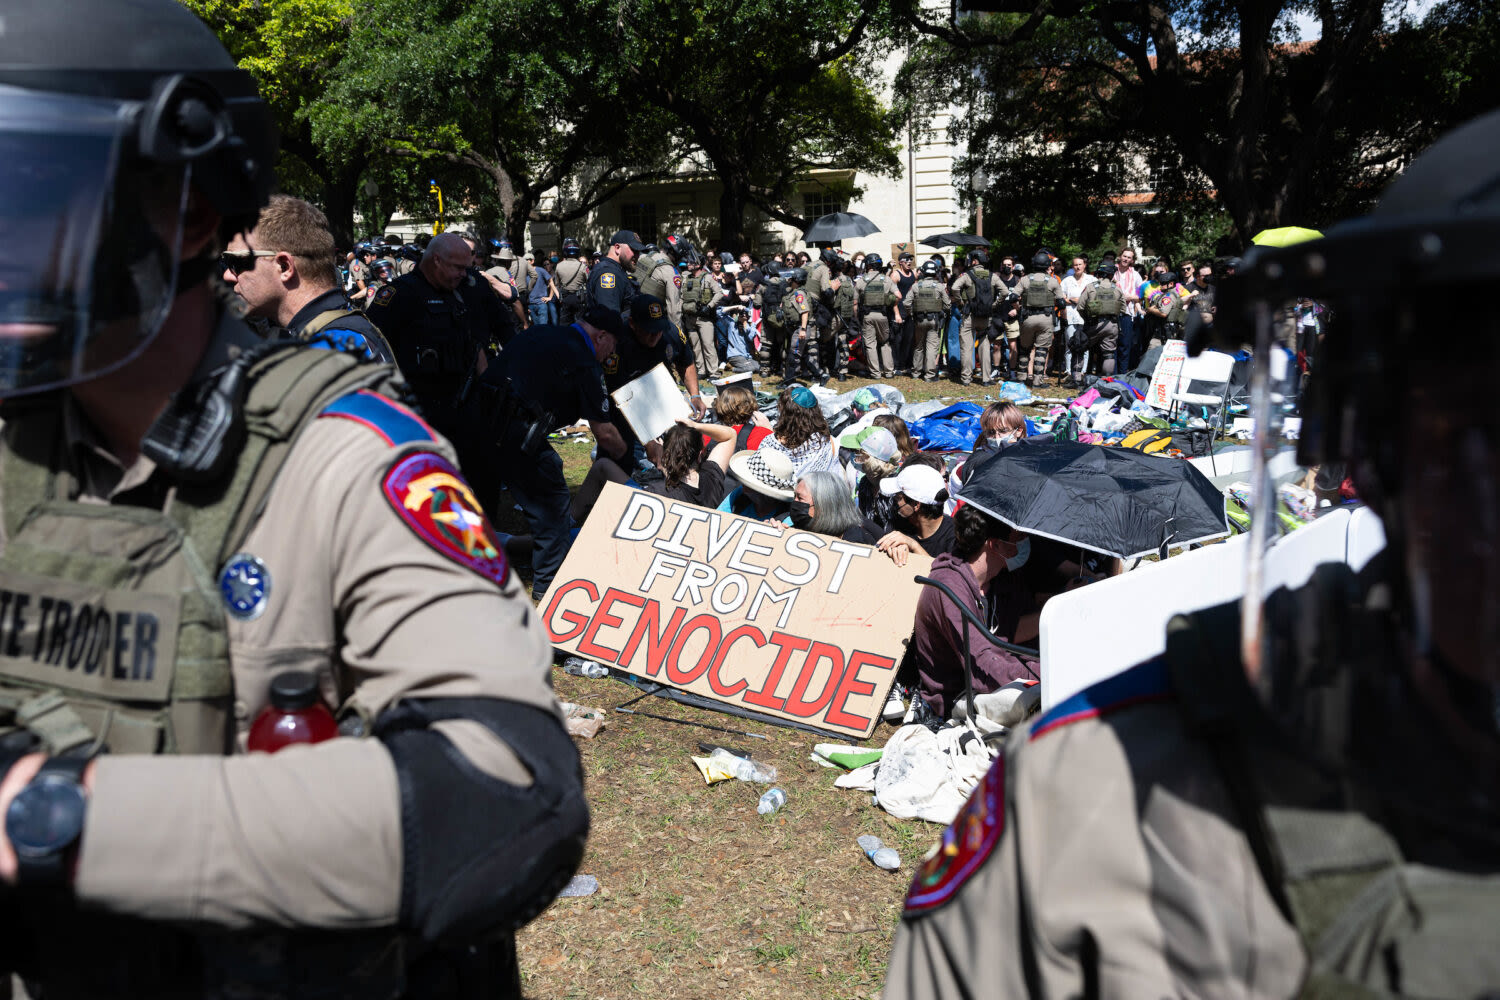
(811, 365)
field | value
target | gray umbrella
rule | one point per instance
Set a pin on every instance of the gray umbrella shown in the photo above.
(838, 226)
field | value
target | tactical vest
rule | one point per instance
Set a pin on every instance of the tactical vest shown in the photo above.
(981, 297)
(690, 295)
(652, 285)
(845, 298)
(706, 292)
(126, 641)
(927, 299)
(1373, 925)
(771, 298)
(1038, 295)
(1105, 301)
(877, 294)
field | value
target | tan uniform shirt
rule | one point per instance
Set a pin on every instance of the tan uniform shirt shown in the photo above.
(309, 836)
(668, 276)
(1117, 864)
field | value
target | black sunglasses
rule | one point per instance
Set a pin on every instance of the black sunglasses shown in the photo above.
(239, 263)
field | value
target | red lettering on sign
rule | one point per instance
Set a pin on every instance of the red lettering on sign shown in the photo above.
(658, 640)
(850, 684)
(573, 618)
(603, 619)
(787, 644)
(819, 651)
(682, 678)
(743, 632)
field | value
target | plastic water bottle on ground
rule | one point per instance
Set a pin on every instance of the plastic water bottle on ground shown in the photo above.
(743, 769)
(773, 800)
(584, 668)
(884, 857)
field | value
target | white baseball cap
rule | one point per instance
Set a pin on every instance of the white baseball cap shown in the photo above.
(921, 483)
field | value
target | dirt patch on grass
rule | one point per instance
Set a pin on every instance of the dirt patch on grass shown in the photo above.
(700, 896)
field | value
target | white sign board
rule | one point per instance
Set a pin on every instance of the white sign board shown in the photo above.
(1168, 374)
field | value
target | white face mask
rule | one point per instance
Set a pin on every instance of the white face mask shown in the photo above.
(1023, 553)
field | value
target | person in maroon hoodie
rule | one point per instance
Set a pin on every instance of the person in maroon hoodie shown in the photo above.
(976, 570)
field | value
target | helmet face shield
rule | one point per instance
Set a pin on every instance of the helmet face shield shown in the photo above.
(89, 263)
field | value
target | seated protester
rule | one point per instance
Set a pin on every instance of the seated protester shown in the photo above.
(865, 407)
(920, 523)
(735, 407)
(974, 571)
(802, 433)
(688, 474)
(876, 460)
(822, 503)
(904, 444)
(1000, 426)
(766, 486)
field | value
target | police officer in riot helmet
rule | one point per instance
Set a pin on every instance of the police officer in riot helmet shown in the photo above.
(209, 524)
(571, 275)
(1301, 795)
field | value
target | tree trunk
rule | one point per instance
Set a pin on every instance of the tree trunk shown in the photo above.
(515, 219)
(340, 188)
(733, 201)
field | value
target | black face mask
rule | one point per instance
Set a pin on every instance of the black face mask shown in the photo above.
(801, 515)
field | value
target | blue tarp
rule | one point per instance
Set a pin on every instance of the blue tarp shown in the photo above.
(954, 428)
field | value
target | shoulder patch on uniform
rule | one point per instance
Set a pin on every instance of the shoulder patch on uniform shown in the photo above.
(386, 417)
(1139, 685)
(965, 845)
(606, 280)
(611, 364)
(429, 494)
(384, 296)
(677, 280)
(799, 296)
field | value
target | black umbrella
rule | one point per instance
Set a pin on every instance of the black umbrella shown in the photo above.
(838, 226)
(942, 240)
(1116, 501)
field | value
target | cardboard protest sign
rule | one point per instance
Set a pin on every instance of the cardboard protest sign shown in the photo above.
(1167, 374)
(785, 622)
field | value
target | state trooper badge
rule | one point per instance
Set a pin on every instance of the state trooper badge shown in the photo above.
(384, 296)
(246, 585)
(429, 494)
(606, 280)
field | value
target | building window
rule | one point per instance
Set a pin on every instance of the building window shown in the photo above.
(819, 203)
(1114, 176)
(640, 218)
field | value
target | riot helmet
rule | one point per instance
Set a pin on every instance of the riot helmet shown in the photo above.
(1106, 270)
(1166, 278)
(1041, 261)
(873, 262)
(829, 256)
(929, 269)
(682, 249)
(797, 275)
(979, 257)
(111, 114)
(570, 248)
(1421, 444)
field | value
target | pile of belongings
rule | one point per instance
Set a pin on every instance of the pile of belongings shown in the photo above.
(928, 774)
(1295, 506)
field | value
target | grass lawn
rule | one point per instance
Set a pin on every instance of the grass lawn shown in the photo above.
(699, 895)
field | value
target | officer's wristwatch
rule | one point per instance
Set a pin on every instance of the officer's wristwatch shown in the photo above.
(45, 821)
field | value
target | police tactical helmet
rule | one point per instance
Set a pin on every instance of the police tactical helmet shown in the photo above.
(110, 112)
(1166, 278)
(829, 256)
(1106, 269)
(979, 257)
(797, 275)
(570, 248)
(1041, 261)
(930, 267)
(873, 262)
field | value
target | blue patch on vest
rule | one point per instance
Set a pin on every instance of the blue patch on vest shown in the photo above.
(385, 417)
(1144, 683)
(342, 340)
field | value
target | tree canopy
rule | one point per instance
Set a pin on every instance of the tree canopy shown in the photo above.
(1067, 102)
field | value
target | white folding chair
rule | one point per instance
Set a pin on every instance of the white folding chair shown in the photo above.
(1209, 373)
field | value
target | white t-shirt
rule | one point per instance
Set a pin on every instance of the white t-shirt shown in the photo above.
(1072, 287)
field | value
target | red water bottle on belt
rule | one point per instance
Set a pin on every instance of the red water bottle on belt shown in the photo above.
(296, 714)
